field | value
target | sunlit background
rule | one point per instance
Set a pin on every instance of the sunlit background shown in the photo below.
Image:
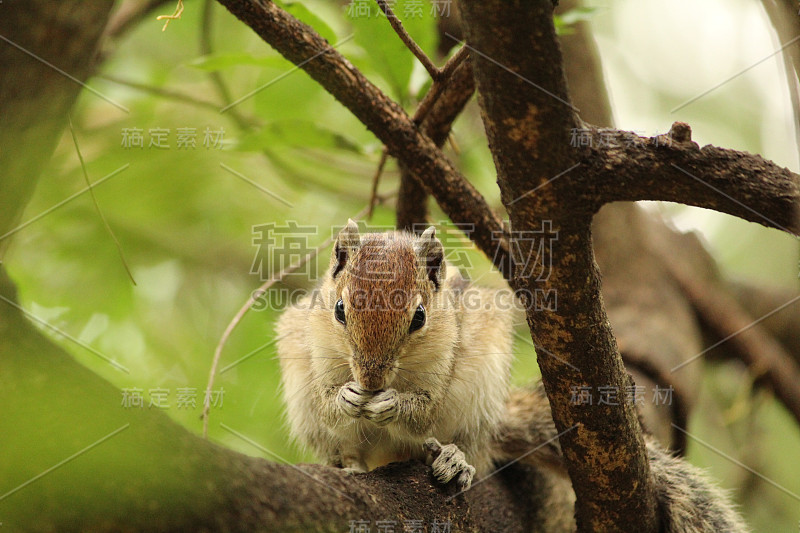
(184, 216)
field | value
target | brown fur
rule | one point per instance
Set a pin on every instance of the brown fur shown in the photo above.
(370, 391)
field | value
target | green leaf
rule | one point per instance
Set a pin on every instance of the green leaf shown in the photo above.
(387, 54)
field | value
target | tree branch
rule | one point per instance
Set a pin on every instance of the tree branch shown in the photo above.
(300, 44)
(51, 47)
(655, 327)
(674, 169)
(760, 301)
(528, 116)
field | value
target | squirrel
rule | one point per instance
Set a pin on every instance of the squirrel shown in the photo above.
(394, 356)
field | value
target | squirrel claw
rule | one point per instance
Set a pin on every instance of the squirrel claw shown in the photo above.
(432, 449)
(382, 408)
(464, 480)
(448, 463)
(351, 399)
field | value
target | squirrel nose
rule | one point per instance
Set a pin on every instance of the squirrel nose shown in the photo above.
(371, 375)
(371, 383)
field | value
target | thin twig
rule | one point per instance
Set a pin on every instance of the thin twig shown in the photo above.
(373, 198)
(432, 69)
(94, 200)
(243, 311)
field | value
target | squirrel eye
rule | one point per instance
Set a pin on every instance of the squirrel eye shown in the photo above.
(338, 311)
(419, 319)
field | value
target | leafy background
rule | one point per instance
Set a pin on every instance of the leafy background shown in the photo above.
(185, 222)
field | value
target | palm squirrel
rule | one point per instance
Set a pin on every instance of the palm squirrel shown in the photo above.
(394, 354)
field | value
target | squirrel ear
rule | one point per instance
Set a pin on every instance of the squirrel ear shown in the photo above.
(431, 256)
(346, 243)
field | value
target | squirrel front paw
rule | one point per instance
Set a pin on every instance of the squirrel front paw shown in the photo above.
(448, 462)
(352, 398)
(382, 408)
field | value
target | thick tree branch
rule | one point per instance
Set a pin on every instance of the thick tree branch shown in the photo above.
(654, 325)
(672, 168)
(528, 117)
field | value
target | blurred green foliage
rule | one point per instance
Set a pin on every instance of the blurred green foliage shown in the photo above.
(185, 216)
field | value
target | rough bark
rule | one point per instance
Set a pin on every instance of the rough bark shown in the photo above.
(654, 325)
(528, 119)
(674, 169)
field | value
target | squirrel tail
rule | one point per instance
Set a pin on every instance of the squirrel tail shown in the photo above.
(689, 502)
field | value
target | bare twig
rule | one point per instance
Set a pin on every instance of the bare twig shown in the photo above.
(97, 205)
(432, 69)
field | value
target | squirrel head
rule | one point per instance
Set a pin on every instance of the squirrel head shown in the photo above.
(384, 285)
